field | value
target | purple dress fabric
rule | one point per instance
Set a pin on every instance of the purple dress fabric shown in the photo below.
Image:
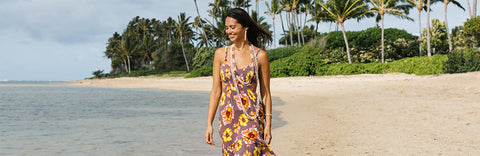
(240, 135)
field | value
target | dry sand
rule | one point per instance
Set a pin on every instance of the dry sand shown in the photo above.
(389, 114)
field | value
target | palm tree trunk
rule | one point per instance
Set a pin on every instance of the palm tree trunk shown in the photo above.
(330, 28)
(256, 7)
(198, 13)
(273, 19)
(469, 10)
(304, 23)
(126, 65)
(316, 30)
(128, 58)
(474, 12)
(183, 50)
(428, 29)
(448, 32)
(420, 32)
(297, 23)
(283, 28)
(383, 44)
(346, 44)
(290, 27)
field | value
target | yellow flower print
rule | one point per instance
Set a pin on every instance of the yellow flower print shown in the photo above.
(229, 91)
(230, 148)
(252, 113)
(249, 135)
(236, 127)
(225, 153)
(243, 120)
(247, 153)
(227, 114)
(248, 77)
(227, 72)
(261, 128)
(245, 102)
(220, 124)
(232, 87)
(222, 75)
(227, 135)
(251, 94)
(262, 146)
(238, 145)
(256, 152)
(222, 99)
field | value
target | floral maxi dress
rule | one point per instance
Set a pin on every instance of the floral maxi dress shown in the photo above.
(240, 135)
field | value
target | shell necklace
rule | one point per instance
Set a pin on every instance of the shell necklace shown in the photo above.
(234, 78)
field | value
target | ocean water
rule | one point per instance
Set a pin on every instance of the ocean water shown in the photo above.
(52, 118)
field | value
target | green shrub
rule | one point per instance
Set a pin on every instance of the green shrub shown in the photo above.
(203, 71)
(365, 46)
(98, 74)
(418, 65)
(471, 30)
(351, 69)
(464, 60)
(204, 57)
(301, 63)
(369, 37)
(282, 52)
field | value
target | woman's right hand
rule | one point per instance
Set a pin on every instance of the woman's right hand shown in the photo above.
(209, 136)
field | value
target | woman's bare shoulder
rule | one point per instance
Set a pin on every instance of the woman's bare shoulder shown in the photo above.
(262, 54)
(220, 53)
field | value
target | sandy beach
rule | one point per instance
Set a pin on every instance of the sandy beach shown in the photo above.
(387, 114)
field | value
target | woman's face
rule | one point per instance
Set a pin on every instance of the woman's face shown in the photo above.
(234, 30)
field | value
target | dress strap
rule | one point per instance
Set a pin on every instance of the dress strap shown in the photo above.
(256, 54)
(226, 50)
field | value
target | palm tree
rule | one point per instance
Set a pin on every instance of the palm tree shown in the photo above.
(259, 20)
(149, 46)
(199, 24)
(473, 11)
(288, 9)
(342, 10)
(204, 40)
(256, 6)
(169, 26)
(391, 7)
(428, 29)
(420, 5)
(217, 6)
(241, 3)
(295, 18)
(283, 28)
(183, 29)
(307, 5)
(446, 2)
(127, 47)
(272, 10)
(319, 15)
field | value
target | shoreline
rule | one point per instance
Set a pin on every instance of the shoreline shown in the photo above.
(368, 114)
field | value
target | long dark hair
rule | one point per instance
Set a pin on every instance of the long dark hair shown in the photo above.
(255, 34)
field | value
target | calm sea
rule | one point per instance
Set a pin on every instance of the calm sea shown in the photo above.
(52, 118)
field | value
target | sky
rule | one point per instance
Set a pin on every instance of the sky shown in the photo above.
(65, 40)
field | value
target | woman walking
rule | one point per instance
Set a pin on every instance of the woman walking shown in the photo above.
(241, 89)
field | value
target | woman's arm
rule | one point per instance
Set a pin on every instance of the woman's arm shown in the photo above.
(264, 72)
(214, 94)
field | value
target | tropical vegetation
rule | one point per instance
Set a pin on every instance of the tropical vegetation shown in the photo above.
(185, 45)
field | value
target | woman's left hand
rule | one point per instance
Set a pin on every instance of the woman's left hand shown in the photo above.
(267, 135)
